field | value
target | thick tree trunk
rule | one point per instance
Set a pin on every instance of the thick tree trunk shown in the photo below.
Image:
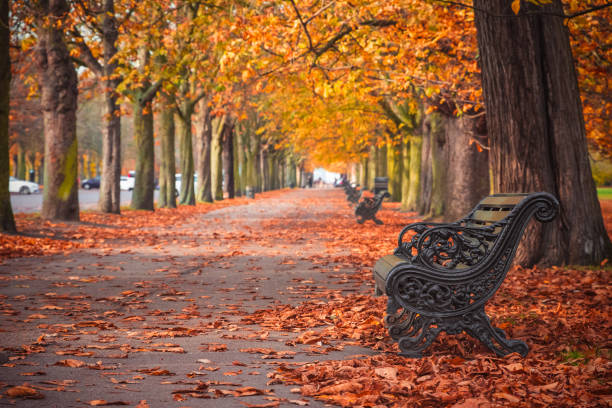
(59, 93)
(468, 181)
(144, 184)
(216, 161)
(167, 168)
(536, 127)
(109, 200)
(228, 157)
(204, 190)
(7, 220)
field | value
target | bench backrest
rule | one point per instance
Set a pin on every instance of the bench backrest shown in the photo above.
(493, 208)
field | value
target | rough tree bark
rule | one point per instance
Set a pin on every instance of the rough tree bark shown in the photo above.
(59, 93)
(7, 220)
(536, 128)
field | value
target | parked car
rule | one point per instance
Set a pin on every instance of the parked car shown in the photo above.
(126, 183)
(91, 183)
(178, 180)
(22, 186)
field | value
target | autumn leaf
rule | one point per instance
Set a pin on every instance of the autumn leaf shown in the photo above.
(70, 363)
(23, 391)
(97, 403)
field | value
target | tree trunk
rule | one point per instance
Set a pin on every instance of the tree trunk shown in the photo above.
(109, 200)
(187, 194)
(7, 220)
(204, 191)
(167, 168)
(468, 182)
(238, 169)
(426, 176)
(434, 126)
(59, 93)
(405, 173)
(21, 164)
(394, 169)
(372, 168)
(216, 160)
(536, 127)
(381, 161)
(414, 189)
(228, 157)
(363, 174)
(144, 184)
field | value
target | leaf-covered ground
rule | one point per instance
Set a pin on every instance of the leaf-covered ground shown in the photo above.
(267, 303)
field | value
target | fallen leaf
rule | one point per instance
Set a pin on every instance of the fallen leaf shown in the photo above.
(23, 391)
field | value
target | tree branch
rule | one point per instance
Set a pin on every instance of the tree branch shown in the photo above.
(299, 16)
(88, 58)
(149, 94)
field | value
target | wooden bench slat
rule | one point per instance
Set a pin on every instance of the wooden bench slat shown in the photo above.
(503, 199)
(490, 216)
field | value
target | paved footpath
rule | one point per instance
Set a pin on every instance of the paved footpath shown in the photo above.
(162, 323)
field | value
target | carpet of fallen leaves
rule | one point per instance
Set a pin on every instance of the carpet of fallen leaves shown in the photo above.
(562, 313)
(39, 237)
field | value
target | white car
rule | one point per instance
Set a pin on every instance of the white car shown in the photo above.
(178, 180)
(126, 183)
(22, 186)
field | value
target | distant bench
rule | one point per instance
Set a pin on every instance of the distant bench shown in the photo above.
(441, 275)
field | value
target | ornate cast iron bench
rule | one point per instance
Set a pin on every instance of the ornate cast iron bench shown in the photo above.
(369, 206)
(352, 194)
(441, 275)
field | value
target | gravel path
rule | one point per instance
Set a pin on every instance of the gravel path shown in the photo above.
(143, 322)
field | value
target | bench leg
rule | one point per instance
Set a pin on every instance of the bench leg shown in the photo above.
(494, 338)
(413, 333)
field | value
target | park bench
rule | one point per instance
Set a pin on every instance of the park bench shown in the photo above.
(441, 275)
(380, 184)
(369, 206)
(352, 193)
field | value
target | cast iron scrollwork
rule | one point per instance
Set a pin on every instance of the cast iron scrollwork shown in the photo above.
(443, 274)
